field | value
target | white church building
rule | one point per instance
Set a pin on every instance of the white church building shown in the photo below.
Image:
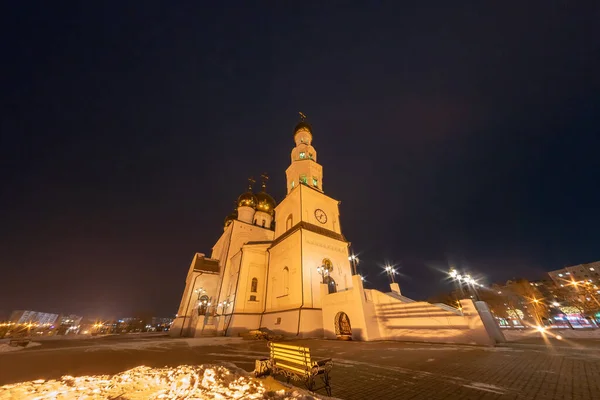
(286, 267)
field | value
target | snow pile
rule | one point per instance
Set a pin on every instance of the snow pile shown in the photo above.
(5, 347)
(183, 382)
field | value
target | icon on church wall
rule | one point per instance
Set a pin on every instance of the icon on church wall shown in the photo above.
(343, 330)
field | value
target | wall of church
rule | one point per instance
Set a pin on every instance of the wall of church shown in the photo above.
(287, 213)
(284, 290)
(219, 250)
(228, 283)
(313, 200)
(285, 322)
(241, 233)
(316, 248)
(241, 323)
(250, 295)
(197, 285)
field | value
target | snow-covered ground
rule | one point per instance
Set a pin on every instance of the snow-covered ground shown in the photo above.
(5, 347)
(183, 382)
(518, 334)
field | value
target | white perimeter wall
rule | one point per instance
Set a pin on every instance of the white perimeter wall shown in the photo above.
(376, 316)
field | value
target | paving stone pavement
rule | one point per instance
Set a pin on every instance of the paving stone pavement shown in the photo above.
(362, 370)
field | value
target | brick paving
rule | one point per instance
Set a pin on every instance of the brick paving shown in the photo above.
(373, 370)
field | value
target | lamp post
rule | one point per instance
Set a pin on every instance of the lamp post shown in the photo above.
(354, 261)
(456, 278)
(390, 271)
(323, 271)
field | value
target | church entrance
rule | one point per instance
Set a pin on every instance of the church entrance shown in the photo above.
(343, 330)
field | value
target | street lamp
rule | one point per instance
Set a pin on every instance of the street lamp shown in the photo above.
(390, 271)
(354, 260)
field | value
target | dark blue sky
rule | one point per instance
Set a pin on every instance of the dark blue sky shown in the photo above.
(449, 132)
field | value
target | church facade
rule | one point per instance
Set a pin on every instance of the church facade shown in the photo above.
(286, 267)
(267, 268)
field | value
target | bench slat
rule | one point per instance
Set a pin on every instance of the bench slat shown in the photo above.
(296, 360)
(291, 353)
(287, 346)
(299, 370)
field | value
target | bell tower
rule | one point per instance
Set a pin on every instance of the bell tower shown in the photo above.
(304, 169)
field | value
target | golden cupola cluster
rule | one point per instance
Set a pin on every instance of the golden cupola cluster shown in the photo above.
(250, 205)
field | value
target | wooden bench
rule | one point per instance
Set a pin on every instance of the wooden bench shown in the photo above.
(294, 362)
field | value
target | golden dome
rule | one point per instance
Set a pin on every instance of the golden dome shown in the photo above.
(247, 199)
(265, 203)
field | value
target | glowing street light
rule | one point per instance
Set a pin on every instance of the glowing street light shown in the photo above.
(390, 271)
(354, 261)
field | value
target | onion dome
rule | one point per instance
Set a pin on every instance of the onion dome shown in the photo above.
(247, 199)
(230, 218)
(302, 125)
(265, 203)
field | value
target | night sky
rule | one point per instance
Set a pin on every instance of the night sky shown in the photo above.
(451, 133)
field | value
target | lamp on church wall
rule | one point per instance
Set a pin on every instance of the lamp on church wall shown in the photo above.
(321, 270)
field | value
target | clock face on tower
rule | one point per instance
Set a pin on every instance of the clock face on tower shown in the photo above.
(320, 215)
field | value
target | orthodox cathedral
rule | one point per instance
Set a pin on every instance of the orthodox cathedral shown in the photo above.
(286, 267)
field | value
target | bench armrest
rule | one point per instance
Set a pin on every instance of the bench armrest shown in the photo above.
(322, 362)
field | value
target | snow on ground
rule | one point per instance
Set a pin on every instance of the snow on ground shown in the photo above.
(5, 347)
(518, 334)
(162, 343)
(183, 382)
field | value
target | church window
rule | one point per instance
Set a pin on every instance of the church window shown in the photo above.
(286, 281)
(253, 298)
(293, 184)
(315, 182)
(302, 155)
(263, 222)
(255, 220)
(254, 286)
(289, 222)
(310, 156)
(303, 179)
(278, 321)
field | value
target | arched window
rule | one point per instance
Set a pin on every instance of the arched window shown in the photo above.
(254, 286)
(263, 222)
(286, 281)
(255, 221)
(331, 285)
(289, 222)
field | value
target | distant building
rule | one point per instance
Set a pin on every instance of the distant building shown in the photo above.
(161, 321)
(546, 287)
(583, 272)
(33, 317)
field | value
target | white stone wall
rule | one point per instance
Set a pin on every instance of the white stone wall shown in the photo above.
(376, 316)
(284, 280)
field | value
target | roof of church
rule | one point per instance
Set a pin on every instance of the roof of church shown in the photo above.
(206, 264)
(313, 228)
